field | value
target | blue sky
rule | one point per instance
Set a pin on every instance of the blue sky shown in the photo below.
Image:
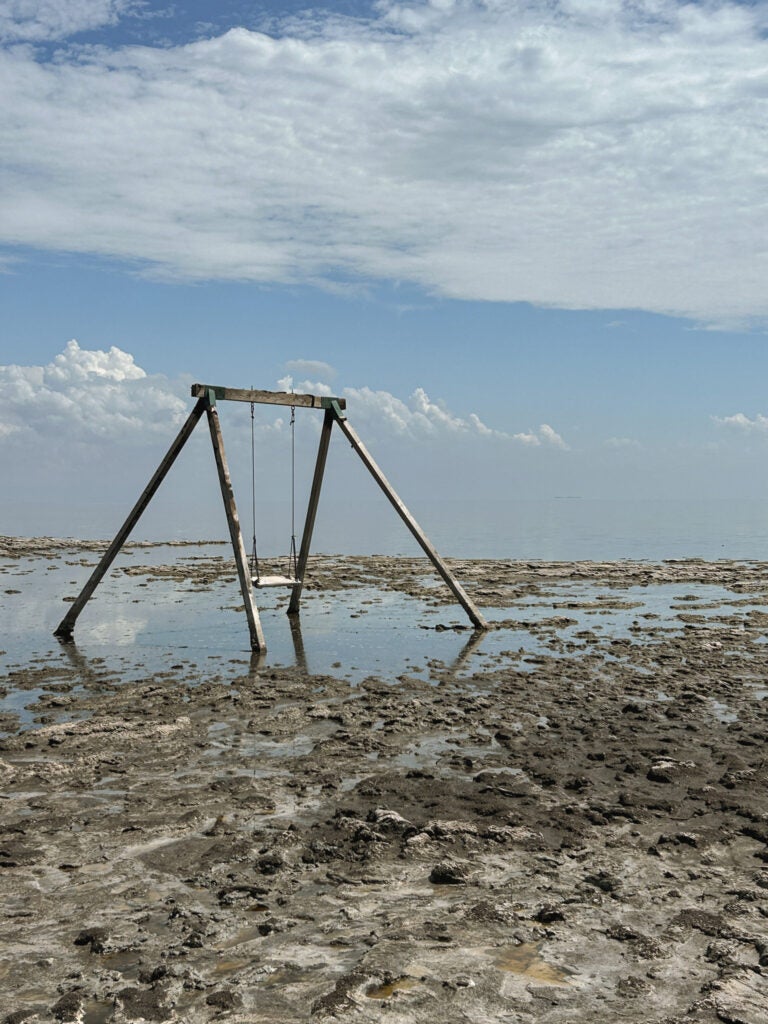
(526, 241)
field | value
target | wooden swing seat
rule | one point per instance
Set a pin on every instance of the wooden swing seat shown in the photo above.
(275, 581)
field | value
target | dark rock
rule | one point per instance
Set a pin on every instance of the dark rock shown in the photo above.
(703, 921)
(96, 938)
(223, 1000)
(448, 873)
(68, 1007)
(270, 863)
(138, 1004)
(549, 913)
(604, 881)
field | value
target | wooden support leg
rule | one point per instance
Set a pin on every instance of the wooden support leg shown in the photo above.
(458, 591)
(67, 624)
(235, 533)
(314, 497)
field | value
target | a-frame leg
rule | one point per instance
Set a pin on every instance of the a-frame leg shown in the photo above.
(456, 588)
(236, 534)
(314, 497)
(67, 624)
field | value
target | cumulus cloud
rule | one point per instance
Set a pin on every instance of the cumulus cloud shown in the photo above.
(311, 367)
(87, 396)
(757, 425)
(544, 435)
(303, 387)
(43, 20)
(579, 153)
(421, 417)
(103, 396)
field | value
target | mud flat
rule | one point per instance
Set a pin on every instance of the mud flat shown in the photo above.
(567, 822)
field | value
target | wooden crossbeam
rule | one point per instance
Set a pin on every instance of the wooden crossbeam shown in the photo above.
(266, 397)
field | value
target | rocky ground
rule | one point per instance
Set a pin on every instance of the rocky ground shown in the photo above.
(575, 834)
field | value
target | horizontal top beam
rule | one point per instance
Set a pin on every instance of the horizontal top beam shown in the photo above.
(267, 397)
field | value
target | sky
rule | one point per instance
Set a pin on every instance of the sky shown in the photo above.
(525, 241)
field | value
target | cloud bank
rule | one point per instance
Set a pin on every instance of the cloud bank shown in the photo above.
(104, 397)
(582, 153)
(86, 397)
(757, 425)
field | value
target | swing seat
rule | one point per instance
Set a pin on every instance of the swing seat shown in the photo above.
(275, 581)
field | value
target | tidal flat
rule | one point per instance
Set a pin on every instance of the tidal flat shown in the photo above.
(387, 815)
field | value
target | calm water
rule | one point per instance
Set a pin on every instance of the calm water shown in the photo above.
(566, 528)
(132, 627)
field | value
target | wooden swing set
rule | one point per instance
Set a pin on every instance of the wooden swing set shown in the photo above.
(248, 572)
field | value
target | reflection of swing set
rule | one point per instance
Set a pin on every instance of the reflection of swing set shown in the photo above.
(248, 573)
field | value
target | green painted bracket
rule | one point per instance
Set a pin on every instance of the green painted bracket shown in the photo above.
(333, 405)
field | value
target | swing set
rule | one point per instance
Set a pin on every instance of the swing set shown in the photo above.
(291, 579)
(248, 570)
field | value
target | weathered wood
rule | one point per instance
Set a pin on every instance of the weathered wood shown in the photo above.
(458, 591)
(67, 624)
(266, 397)
(275, 581)
(236, 534)
(314, 497)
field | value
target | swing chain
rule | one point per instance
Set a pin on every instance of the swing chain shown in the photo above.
(292, 559)
(254, 552)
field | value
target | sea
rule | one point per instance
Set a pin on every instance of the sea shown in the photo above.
(564, 528)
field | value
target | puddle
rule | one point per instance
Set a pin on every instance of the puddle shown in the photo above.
(124, 961)
(722, 712)
(432, 749)
(525, 959)
(97, 1013)
(390, 988)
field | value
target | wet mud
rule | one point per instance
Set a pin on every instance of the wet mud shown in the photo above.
(571, 828)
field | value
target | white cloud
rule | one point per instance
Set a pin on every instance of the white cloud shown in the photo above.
(103, 397)
(41, 20)
(87, 396)
(303, 387)
(581, 153)
(622, 442)
(550, 436)
(312, 367)
(545, 435)
(757, 425)
(421, 417)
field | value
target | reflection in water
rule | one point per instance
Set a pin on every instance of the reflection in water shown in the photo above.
(191, 628)
(298, 642)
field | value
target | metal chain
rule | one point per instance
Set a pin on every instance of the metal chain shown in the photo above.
(254, 553)
(292, 568)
